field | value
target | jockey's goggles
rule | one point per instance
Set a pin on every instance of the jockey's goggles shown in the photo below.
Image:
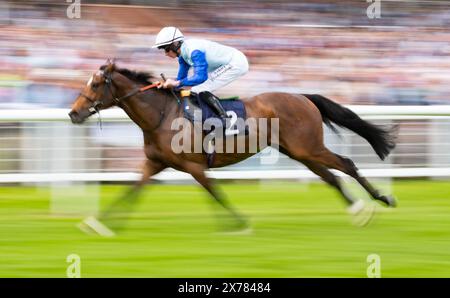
(166, 48)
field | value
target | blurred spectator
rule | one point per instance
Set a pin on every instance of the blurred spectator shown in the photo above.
(328, 47)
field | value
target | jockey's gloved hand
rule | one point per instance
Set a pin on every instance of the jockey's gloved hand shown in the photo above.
(170, 83)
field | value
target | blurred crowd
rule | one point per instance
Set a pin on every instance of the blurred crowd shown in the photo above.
(327, 47)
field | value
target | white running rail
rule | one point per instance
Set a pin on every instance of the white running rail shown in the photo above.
(42, 146)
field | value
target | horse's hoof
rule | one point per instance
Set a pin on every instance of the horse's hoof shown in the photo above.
(86, 229)
(388, 200)
(364, 216)
(356, 207)
(239, 226)
(243, 231)
(92, 224)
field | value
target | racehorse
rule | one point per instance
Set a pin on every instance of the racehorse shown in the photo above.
(300, 130)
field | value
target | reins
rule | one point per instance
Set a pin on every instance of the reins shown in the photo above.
(134, 92)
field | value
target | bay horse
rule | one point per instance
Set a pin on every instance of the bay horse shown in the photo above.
(300, 130)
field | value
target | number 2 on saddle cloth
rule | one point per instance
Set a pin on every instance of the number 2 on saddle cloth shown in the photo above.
(193, 106)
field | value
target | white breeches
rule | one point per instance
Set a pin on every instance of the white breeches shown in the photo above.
(225, 74)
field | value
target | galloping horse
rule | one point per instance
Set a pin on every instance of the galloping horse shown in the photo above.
(300, 130)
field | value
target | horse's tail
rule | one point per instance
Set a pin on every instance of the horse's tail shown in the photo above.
(380, 138)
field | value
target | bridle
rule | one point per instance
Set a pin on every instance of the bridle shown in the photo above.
(97, 103)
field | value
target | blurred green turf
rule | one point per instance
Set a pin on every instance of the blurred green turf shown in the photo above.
(298, 231)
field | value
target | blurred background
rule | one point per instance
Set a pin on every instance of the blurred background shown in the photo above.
(396, 66)
(328, 47)
(331, 47)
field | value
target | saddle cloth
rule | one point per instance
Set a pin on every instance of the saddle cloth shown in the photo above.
(235, 108)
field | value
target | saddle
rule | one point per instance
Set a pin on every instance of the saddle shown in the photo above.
(194, 106)
(195, 109)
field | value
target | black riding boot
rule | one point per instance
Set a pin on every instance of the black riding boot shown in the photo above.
(214, 103)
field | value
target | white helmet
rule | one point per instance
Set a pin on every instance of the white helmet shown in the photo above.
(168, 35)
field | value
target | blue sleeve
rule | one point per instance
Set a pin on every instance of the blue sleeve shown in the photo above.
(200, 70)
(183, 70)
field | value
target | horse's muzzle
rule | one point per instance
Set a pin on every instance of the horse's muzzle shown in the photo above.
(76, 118)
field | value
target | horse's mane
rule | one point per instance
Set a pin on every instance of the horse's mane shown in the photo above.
(141, 77)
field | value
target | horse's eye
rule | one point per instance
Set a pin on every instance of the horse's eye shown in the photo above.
(94, 86)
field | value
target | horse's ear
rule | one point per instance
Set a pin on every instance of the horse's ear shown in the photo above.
(110, 65)
(110, 61)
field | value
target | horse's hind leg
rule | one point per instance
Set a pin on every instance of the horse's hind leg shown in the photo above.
(346, 165)
(355, 206)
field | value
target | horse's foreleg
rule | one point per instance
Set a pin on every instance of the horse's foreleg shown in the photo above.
(150, 168)
(121, 205)
(197, 171)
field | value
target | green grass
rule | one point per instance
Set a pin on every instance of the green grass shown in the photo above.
(298, 231)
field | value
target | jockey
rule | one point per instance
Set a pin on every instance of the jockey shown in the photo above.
(214, 65)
